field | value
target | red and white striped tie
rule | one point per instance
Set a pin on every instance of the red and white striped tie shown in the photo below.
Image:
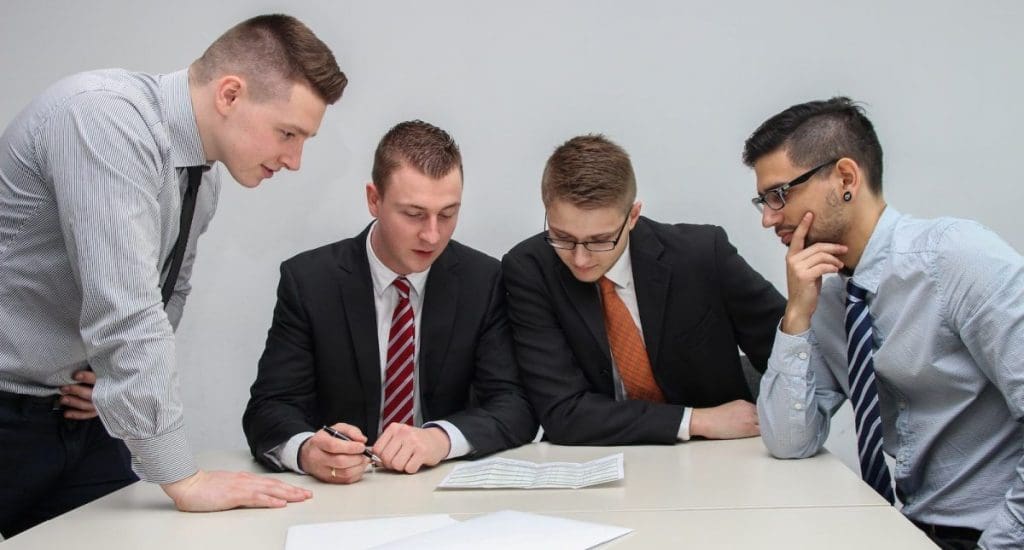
(398, 375)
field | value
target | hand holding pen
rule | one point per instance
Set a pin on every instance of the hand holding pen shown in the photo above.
(338, 457)
(366, 450)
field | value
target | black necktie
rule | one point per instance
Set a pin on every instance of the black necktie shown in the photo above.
(188, 208)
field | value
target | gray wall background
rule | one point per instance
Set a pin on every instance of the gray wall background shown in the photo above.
(679, 84)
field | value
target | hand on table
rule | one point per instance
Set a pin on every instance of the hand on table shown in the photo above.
(213, 491)
(732, 420)
(406, 449)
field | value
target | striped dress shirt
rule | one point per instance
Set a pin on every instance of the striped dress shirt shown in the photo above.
(91, 179)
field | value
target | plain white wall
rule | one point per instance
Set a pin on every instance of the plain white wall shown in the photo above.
(679, 84)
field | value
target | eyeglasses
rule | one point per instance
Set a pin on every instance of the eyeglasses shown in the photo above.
(775, 198)
(593, 246)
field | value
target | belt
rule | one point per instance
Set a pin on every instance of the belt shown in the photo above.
(945, 531)
(49, 402)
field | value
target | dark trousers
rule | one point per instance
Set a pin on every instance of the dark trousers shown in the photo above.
(951, 538)
(49, 465)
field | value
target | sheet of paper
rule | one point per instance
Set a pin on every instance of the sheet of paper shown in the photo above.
(361, 534)
(505, 473)
(512, 530)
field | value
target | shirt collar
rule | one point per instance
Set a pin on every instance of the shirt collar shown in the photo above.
(875, 259)
(383, 276)
(186, 147)
(621, 272)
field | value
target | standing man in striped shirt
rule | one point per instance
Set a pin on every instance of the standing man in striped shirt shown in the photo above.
(105, 185)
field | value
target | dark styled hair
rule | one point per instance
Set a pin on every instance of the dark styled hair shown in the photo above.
(589, 171)
(272, 52)
(421, 145)
(817, 131)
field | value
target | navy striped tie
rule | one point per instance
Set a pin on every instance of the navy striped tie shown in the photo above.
(860, 351)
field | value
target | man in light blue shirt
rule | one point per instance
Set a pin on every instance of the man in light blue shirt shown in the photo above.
(922, 329)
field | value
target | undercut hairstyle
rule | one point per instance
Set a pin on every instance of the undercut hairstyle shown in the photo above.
(419, 145)
(588, 172)
(272, 52)
(816, 132)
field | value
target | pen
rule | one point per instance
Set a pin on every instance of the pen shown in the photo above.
(366, 450)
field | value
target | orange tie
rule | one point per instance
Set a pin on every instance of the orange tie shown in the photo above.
(627, 347)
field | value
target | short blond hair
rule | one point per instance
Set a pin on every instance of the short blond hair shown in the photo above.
(589, 171)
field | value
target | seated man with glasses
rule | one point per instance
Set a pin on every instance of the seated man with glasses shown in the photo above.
(626, 329)
(923, 331)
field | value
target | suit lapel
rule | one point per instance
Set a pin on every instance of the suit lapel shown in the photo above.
(651, 281)
(440, 302)
(361, 314)
(584, 297)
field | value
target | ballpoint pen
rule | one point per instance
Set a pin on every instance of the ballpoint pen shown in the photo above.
(366, 450)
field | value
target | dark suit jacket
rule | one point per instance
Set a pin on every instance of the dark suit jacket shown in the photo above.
(321, 364)
(698, 300)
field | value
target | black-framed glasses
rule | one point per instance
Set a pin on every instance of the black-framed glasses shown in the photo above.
(775, 197)
(593, 246)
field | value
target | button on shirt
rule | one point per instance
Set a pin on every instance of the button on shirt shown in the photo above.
(385, 298)
(91, 178)
(947, 297)
(621, 273)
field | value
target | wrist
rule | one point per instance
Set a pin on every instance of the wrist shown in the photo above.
(795, 322)
(442, 442)
(177, 489)
(697, 423)
(300, 452)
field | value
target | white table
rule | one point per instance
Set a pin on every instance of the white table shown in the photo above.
(704, 493)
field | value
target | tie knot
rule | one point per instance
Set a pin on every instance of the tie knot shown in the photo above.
(607, 286)
(402, 286)
(855, 293)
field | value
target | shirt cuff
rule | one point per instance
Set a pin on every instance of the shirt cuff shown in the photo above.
(684, 425)
(791, 353)
(163, 459)
(286, 455)
(459, 444)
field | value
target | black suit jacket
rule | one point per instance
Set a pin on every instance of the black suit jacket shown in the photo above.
(698, 300)
(321, 364)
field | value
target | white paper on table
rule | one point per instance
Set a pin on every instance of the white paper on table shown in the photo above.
(361, 534)
(513, 530)
(505, 473)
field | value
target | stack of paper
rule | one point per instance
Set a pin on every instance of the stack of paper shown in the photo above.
(502, 473)
(497, 531)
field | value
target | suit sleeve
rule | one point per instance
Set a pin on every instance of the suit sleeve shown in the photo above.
(283, 397)
(755, 307)
(502, 417)
(570, 411)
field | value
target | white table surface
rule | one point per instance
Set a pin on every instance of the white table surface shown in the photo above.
(710, 493)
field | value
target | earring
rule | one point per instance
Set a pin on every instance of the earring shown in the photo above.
(847, 196)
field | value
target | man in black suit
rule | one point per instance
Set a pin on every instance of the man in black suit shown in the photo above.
(398, 337)
(626, 330)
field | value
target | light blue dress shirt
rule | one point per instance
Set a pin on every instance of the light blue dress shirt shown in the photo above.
(947, 297)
